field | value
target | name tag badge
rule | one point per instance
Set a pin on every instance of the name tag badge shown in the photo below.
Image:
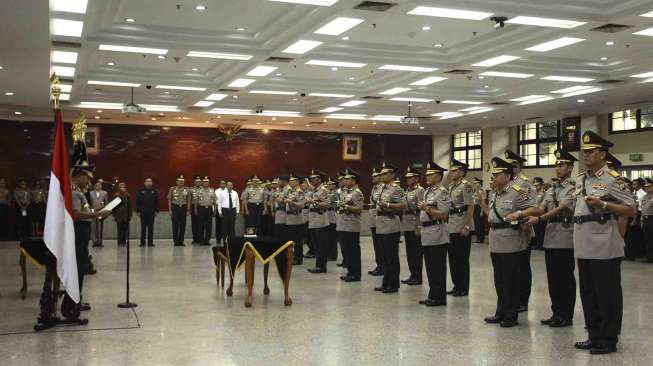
(600, 186)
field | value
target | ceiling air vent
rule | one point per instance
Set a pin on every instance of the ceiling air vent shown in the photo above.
(371, 97)
(499, 103)
(228, 90)
(611, 81)
(374, 6)
(459, 71)
(280, 59)
(639, 102)
(611, 28)
(66, 44)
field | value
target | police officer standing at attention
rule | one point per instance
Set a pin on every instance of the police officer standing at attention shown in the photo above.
(179, 198)
(253, 198)
(350, 207)
(414, 194)
(318, 221)
(374, 198)
(205, 206)
(194, 197)
(508, 240)
(434, 208)
(294, 204)
(461, 224)
(557, 207)
(647, 217)
(279, 208)
(392, 201)
(333, 203)
(600, 198)
(527, 187)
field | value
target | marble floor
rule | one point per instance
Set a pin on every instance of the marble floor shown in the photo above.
(182, 318)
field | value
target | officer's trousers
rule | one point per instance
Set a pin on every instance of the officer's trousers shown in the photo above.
(560, 265)
(458, 251)
(601, 296)
(378, 249)
(435, 258)
(205, 227)
(319, 239)
(351, 247)
(178, 224)
(296, 234)
(253, 218)
(195, 224)
(414, 255)
(526, 278)
(507, 274)
(333, 243)
(391, 266)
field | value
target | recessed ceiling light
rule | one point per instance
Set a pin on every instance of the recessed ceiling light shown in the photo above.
(166, 92)
(302, 46)
(581, 92)
(130, 20)
(461, 102)
(428, 81)
(496, 61)
(471, 109)
(274, 118)
(204, 103)
(386, 117)
(421, 127)
(113, 83)
(394, 91)
(220, 55)
(353, 103)
(160, 108)
(645, 32)
(353, 127)
(334, 69)
(416, 100)
(65, 27)
(567, 78)
(161, 57)
(97, 117)
(261, 70)
(308, 125)
(545, 22)
(571, 89)
(309, 2)
(351, 78)
(153, 118)
(258, 123)
(481, 110)
(345, 38)
(449, 13)
(486, 86)
(442, 114)
(111, 64)
(581, 100)
(507, 74)
(241, 83)
(438, 45)
(63, 57)
(407, 68)
(338, 26)
(556, 43)
(282, 113)
(330, 110)
(177, 87)
(195, 69)
(481, 77)
(66, 71)
(1, 67)
(9, 94)
(451, 115)
(346, 116)
(235, 97)
(152, 51)
(273, 92)
(647, 15)
(604, 58)
(335, 63)
(200, 7)
(528, 97)
(609, 43)
(231, 111)
(216, 97)
(373, 123)
(278, 74)
(331, 95)
(241, 29)
(99, 111)
(69, 6)
(426, 28)
(18, 113)
(536, 100)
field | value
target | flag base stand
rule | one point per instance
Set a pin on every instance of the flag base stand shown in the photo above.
(127, 305)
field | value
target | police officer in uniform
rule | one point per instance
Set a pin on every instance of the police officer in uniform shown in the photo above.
(374, 198)
(434, 207)
(333, 203)
(205, 207)
(409, 222)
(279, 208)
(557, 209)
(253, 198)
(318, 220)
(461, 224)
(194, 221)
(508, 240)
(392, 201)
(600, 198)
(179, 204)
(294, 204)
(350, 207)
(647, 218)
(340, 190)
(527, 187)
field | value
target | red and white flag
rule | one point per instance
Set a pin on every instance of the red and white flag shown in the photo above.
(59, 232)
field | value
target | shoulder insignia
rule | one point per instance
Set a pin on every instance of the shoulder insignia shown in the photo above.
(464, 181)
(522, 176)
(614, 173)
(358, 190)
(443, 189)
(581, 174)
(516, 187)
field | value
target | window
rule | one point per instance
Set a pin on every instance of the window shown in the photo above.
(635, 172)
(631, 120)
(538, 142)
(467, 147)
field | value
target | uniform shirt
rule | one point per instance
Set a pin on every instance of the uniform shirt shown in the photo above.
(80, 203)
(341, 192)
(223, 200)
(374, 198)
(22, 197)
(508, 200)
(195, 194)
(333, 202)
(39, 196)
(594, 240)
(253, 194)
(462, 194)
(647, 206)
(318, 204)
(4, 196)
(409, 220)
(280, 205)
(350, 222)
(294, 215)
(440, 199)
(206, 197)
(559, 234)
(98, 199)
(179, 195)
(390, 193)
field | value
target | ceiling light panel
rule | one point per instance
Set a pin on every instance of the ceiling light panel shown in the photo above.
(160, 108)
(100, 105)
(416, 100)
(407, 68)
(113, 83)
(443, 114)
(449, 13)
(581, 92)
(281, 113)
(216, 97)
(506, 74)
(331, 95)
(261, 70)
(537, 100)
(481, 110)
(452, 115)
(231, 111)
(528, 97)
(241, 83)
(65, 27)
(219, 55)
(385, 117)
(643, 76)
(179, 87)
(571, 89)
(204, 103)
(568, 78)
(308, 2)
(556, 43)
(471, 109)
(146, 50)
(496, 61)
(346, 116)
(394, 91)
(645, 32)
(330, 110)
(461, 102)
(64, 97)
(66, 88)
(647, 15)
(338, 26)
(335, 63)
(302, 46)
(69, 6)
(273, 92)
(63, 57)
(428, 81)
(353, 103)
(66, 71)
(545, 22)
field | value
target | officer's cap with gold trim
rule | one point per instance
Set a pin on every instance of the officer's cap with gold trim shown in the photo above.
(388, 168)
(330, 181)
(352, 174)
(84, 167)
(340, 176)
(433, 168)
(538, 181)
(197, 177)
(564, 156)
(180, 176)
(591, 140)
(255, 179)
(501, 166)
(206, 178)
(376, 172)
(648, 182)
(283, 178)
(458, 165)
(410, 172)
(316, 174)
(512, 157)
(612, 161)
(293, 177)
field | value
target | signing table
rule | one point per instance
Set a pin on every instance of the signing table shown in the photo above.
(244, 251)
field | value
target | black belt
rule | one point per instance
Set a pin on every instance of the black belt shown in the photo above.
(434, 222)
(386, 214)
(503, 225)
(279, 209)
(412, 212)
(458, 210)
(563, 219)
(184, 205)
(206, 206)
(317, 210)
(600, 218)
(255, 203)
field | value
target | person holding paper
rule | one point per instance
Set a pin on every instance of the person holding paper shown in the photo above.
(99, 198)
(123, 214)
(22, 198)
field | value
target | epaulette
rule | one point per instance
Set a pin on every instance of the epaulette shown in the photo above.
(443, 189)
(516, 187)
(464, 181)
(522, 176)
(614, 173)
(393, 184)
(299, 190)
(581, 174)
(358, 190)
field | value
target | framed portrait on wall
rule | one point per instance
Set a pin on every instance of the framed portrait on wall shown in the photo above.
(92, 140)
(352, 147)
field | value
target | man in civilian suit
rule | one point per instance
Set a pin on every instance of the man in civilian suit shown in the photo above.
(228, 209)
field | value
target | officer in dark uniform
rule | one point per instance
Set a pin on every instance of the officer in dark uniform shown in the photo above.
(179, 198)
(601, 197)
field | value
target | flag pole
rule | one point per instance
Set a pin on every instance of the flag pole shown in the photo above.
(127, 304)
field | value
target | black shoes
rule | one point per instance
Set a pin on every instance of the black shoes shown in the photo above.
(309, 255)
(509, 323)
(522, 308)
(376, 272)
(431, 302)
(548, 321)
(584, 345)
(317, 270)
(495, 319)
(602, 349)
(350, 278)
(411, 281)
(141, 245)
(390, 290)
(560, 323)
(379, 289)
(84, 306)
(460, 294)
(451, 292)
(297, 263)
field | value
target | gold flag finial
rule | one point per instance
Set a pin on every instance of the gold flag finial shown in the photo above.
(79, 128)
(55, 89)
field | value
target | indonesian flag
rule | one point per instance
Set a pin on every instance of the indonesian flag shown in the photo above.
(59, 233)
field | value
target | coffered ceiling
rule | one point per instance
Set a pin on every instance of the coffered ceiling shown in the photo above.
(402, 49)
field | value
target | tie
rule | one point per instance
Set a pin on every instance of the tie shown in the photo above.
(231, 203)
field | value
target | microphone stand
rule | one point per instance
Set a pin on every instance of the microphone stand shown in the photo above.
(127, 304)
